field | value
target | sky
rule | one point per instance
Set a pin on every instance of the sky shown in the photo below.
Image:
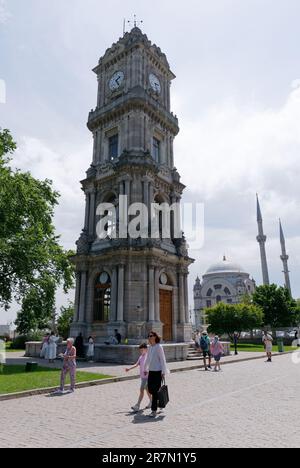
(237, 97)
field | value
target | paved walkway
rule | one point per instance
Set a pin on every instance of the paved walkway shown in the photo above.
(117, 370)
(249, 404)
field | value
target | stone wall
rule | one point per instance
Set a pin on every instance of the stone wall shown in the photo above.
(117, 354)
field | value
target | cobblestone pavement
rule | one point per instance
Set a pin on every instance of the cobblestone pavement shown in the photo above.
(249, 404)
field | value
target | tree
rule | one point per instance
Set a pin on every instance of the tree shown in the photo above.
(230, 318)
(64, 320)
(277, 304)
(32, 262)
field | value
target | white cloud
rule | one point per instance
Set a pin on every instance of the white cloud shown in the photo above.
(243, 148)
(4, 13)
(225, 158)
(65, 167)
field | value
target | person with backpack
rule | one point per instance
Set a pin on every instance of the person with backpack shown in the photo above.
(205, 348)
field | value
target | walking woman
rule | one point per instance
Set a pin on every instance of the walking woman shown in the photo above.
(69, 366)
(155, 368)
(51, 351)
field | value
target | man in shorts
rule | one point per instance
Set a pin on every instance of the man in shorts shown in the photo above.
(205, 348)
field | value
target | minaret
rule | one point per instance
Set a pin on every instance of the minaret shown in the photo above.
(284, 257)
(261, 239)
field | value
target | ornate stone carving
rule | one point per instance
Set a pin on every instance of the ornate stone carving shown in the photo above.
(83, 245)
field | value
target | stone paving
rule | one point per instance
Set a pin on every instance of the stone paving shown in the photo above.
(249, 404)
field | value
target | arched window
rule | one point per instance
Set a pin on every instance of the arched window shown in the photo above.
(209, 292)
(102, 298)
(109, 231)
(227, 292)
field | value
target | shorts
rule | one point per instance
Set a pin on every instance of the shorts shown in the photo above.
(206, 353)
(144, 384)
(217, 358)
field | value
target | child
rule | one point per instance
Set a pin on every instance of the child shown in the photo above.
(217, 351)
(144, 380)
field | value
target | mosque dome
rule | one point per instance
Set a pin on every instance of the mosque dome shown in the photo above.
(224, 267)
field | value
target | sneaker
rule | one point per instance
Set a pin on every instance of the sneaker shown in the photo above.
(152, 415)
(135, 408)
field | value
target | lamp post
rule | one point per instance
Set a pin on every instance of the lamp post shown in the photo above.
(235, 340)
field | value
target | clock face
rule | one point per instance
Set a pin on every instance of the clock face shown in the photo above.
(155, 83)
(116, 81)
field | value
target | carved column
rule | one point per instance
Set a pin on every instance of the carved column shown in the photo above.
(186, 299)
(82, 304)
(92, 213)
(151, 295)
(77, 297)
(120, 314)
(157, 297)
(114, 294)
(87, 211)
(181, 299)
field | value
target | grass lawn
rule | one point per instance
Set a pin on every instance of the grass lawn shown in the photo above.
(258, 348)
(14, 378)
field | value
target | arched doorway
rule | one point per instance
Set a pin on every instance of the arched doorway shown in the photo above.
(166, 307)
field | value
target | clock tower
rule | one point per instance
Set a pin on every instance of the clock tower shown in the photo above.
(125, 282)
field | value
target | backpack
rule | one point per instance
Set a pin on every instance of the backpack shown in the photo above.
(204, 343)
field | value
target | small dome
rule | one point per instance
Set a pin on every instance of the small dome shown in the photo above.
(225, 267)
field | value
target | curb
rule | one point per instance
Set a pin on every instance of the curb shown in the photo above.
(97, 383)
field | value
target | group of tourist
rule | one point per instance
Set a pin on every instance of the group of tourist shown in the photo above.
(209, 349)
(215, 348)
(49, 347)
(153, 369)
(50, 341)
(151, 363)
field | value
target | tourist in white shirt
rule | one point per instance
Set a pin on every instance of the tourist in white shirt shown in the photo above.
(51, 352)
(155, 368)
(268, 344)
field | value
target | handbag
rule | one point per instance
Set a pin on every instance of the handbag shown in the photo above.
(163, 395)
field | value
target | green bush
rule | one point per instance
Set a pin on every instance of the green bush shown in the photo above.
(19, 341)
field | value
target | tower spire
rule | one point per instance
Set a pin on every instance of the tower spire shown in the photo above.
(284, 257)
(261, 239)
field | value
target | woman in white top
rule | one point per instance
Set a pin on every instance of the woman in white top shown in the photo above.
(91, 349)
(155, 368)
(268, 344)
(52, 348)
(43, 353)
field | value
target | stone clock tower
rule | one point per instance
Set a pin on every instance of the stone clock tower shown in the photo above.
(125, 283)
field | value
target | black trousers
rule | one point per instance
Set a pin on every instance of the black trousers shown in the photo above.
(154, 384)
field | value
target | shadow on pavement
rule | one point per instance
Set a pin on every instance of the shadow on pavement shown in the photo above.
(141, 418)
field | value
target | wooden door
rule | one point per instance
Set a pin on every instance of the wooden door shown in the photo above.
(166, 315)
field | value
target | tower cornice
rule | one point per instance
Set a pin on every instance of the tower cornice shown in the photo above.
(136, 99)
(133, 40)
